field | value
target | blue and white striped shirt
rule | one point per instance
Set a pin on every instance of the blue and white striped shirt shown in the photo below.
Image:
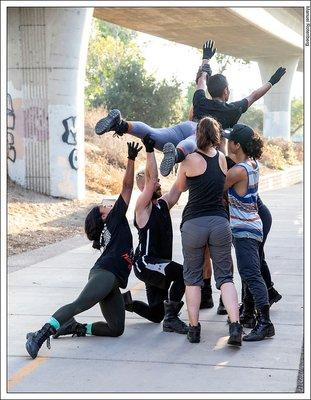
(244, 218)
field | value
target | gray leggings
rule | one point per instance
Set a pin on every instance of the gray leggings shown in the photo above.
(182, 134)
(103, 288)
(215, 232)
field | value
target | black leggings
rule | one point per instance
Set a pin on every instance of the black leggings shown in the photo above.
(154, 310)
(266, 219)
(103, 288)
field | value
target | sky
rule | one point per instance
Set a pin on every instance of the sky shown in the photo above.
(166, 59)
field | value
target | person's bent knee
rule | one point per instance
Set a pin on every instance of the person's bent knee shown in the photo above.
(117, 331)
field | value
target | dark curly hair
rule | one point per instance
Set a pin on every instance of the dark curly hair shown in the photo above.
(254, 147)
(208, 133)
(93, 226)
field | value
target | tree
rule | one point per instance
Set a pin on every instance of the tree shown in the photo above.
(117, 78)
(296, 121)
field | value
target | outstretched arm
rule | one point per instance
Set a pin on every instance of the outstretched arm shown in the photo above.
(257, 94)
(128, 180)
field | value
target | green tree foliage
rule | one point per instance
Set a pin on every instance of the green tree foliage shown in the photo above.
(117, 78)
(296, 122)
(253, 117)
(187, 101)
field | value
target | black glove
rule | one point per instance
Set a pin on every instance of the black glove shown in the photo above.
(148, 143)
(208, 50)
(133, 150)
(277, 75)
(207, 68)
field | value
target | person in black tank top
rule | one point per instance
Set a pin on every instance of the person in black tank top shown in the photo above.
(205, 222)
(153, 263)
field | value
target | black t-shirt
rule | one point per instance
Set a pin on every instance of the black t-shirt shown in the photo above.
(156, 237)
(117, 244)
(227, 114)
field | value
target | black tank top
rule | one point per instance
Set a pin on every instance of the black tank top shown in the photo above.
(156, 237)
(206, 191)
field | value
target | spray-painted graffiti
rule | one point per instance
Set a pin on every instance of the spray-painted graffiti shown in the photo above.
(69, 137)
(10, 114)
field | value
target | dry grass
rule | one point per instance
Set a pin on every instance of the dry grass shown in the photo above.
(279, 153)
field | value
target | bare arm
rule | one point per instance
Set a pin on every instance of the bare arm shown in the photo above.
(151, 178)
(190, 115)
(258, 93)
(234, 176)
(128, 180)
(172, 196)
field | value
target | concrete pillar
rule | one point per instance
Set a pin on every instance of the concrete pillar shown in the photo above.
(47, 50)
(277, 101)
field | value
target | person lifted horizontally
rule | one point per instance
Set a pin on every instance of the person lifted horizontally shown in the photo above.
(153, 264)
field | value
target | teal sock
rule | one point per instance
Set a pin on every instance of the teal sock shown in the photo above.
(89, 329)
(52, 321)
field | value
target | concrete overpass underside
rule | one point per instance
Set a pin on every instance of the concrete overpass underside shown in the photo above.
(234, 35)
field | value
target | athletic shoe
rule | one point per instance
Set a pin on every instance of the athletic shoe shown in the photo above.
(108, 123)
(36, 339)
(71, 327)
(235, 331)
(168, 161)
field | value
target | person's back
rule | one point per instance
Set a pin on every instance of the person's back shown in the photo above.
(205, 189)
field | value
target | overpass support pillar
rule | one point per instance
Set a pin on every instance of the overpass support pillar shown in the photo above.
(47, 51)
(277, 105)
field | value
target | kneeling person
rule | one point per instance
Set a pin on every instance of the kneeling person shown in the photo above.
(153, 257)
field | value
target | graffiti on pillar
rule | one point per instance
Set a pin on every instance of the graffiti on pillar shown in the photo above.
(10, 114)
(69, 137)
(73, 159)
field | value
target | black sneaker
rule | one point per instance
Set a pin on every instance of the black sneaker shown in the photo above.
(168, 162)
(194, 333)
(71, 327)
(235, 332)
(274, 296)
(221, 310)
(109, 123)
(36, 339)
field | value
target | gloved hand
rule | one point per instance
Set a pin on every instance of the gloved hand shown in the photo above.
(133, 150)
(208, 50)
(148, 143)
(207, 68)
(277, 75)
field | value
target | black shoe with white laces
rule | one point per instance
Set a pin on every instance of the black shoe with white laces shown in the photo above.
(109, 123)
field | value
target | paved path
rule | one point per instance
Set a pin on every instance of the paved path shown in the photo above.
(145, 359)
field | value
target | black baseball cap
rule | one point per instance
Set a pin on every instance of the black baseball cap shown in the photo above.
(240, 133)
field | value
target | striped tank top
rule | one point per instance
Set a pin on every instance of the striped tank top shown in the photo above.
(244, 219)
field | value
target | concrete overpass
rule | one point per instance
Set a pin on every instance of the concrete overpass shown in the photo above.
(47, 50)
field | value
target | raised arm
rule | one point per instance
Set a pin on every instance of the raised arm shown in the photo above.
(258, 93)
(205, 70)
(128, 180)
(151, 176)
